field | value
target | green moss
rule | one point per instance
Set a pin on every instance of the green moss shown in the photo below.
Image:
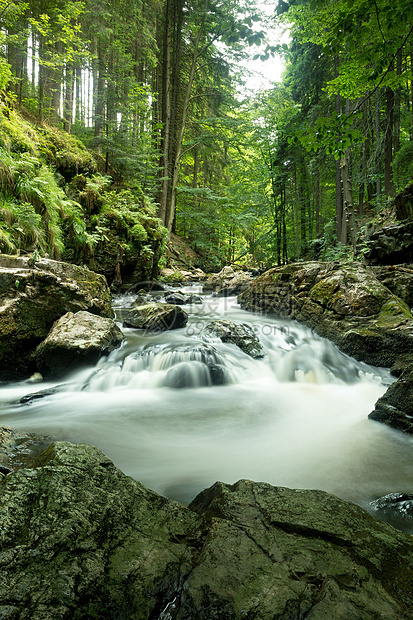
(65, 152)
(324, 292)
(16, 134)
(393, 313)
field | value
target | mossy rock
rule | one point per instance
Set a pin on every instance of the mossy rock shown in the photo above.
(33, 298)
(394, 313)
(156, 317)
(79, 539)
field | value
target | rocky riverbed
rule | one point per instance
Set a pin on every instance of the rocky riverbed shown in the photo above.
(80, 539)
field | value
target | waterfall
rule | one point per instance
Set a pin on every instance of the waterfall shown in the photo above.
(179, 410)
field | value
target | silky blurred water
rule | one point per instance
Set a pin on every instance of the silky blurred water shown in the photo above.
(296, 418)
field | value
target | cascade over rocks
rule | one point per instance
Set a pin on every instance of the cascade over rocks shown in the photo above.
(227, 282)
(156, 317)
(346, 304)
(239, 334)
(76, 340)
(34, 294)
(80, 539)
(350, 306)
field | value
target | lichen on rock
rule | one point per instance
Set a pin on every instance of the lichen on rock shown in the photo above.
(79, 539)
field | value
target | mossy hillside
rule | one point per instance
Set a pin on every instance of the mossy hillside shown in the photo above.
(54, 200)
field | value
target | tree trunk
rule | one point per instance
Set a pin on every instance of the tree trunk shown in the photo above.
(397, 107)
(68, 97)
(171, 211)
(55, 88)
(17, 58)
(388, 143)
(100, 98)
(317, 201)
(339, 198)
(297, 226)
(166, 109)
(378, 144)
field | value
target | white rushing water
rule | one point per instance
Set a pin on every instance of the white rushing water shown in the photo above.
(296, 418)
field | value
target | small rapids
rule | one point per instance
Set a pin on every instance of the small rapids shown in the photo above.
(179, 410)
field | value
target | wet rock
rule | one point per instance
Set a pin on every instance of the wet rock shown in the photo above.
(32, 298)
(346, 304)
(239, 334)
(398, 279)
(19, 449)
(56, 389)
(75, 341)
(180, 299)
(156, 317)
(227, 282)
(87, 541)
(396, 509)
(391, 245)
(403, 203)
(194, 299)
(193, 375)
(395, 407)
(176, 297)
(318, 557)
(179, 275)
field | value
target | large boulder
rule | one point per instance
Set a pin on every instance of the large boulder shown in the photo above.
(390, 245)
(345, 303)
(76, 340)
(395, 407)
(239, 334)
(403, 203)
(79, 539)
(156, 317)
(227, 282)
(398, 279)
(35, 294)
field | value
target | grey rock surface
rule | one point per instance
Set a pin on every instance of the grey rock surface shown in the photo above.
(239, 334)
(32, 296)
(156, 317)
(76, 340)
(79, 539)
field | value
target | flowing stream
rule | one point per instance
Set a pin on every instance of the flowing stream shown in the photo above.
(296, 418)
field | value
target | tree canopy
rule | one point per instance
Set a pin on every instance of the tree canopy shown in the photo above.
(154, 89)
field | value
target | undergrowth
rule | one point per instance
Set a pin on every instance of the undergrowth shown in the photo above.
(54, 201)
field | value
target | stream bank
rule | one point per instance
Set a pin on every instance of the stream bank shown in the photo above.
(86, 541)
(82, 539)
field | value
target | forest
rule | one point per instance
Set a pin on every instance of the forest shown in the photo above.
(123, 122)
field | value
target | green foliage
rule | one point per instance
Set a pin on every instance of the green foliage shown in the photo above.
(65, 152)
(5, 73)
(20, 226)
(327, 248)
(403, 165)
